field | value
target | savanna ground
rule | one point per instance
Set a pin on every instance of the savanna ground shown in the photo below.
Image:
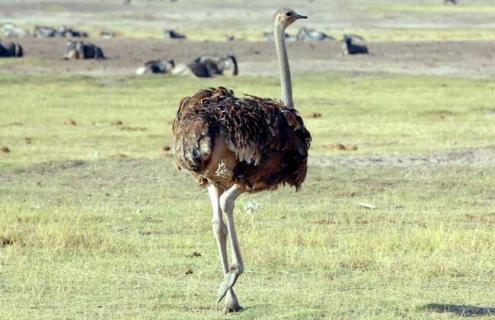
(395, 221)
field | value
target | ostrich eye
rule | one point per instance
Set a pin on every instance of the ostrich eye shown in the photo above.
(288, 14)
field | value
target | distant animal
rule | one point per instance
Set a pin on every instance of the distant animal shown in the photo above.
(235, 145)
(354, 36)
(172, 34)
(62, 32)
(354, 45)
(79, 50)
(156, 67)
(305, 34)
(209, 67)
(228, 66)
(11, 50)
(221, 66)
(204, 68)
(44, 32)
(107, 34)
(65, 32)
(454, 2)
(9, 30)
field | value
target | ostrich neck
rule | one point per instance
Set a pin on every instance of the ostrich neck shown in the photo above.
(283, 65)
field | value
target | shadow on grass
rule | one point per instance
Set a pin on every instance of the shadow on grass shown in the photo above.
(460, 309)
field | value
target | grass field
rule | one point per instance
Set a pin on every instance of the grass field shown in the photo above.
(96, 223)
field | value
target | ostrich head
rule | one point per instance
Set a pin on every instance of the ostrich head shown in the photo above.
(284, 17)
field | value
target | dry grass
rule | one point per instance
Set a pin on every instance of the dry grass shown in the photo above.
(88, 233)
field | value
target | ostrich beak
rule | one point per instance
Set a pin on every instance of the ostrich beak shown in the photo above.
(298, 16)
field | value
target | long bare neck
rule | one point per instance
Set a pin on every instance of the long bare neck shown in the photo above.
(283, 65)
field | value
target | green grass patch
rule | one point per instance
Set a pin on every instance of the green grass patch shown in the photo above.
(132, 116)
(96, 223)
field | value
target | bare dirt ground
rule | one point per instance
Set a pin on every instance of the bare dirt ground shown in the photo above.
(462, 58)
(142, 20)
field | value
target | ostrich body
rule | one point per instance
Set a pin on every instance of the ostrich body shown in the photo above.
(234, 145)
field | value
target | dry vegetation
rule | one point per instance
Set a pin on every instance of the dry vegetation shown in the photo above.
(97, 223)
(395, 220)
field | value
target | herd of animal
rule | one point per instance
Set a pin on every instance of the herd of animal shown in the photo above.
(62, 32)
(10, 30)
(351, 44)
(202, 67)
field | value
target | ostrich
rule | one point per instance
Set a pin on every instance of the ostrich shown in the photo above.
(235, 145)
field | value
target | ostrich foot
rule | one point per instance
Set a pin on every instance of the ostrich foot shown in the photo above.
(227, 284)
(231, 307)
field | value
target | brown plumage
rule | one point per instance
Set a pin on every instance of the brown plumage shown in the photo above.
(234, 145)
(267, 139)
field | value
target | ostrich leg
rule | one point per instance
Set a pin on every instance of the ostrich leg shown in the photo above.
(227, 203)
(220, 232)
